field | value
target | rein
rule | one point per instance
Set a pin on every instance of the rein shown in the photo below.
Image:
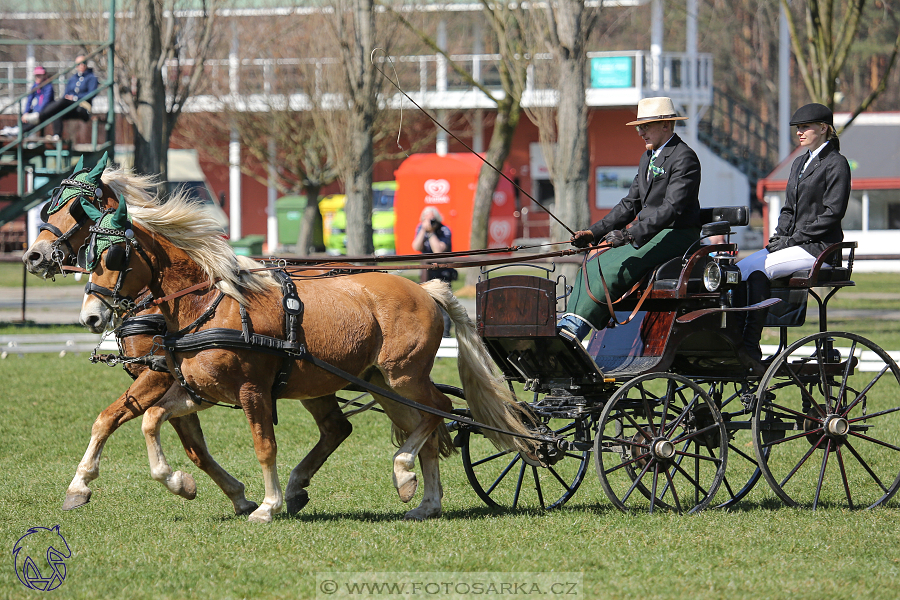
(609, 301)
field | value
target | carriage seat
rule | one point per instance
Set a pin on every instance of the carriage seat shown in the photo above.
(828, 271)
(669, 275)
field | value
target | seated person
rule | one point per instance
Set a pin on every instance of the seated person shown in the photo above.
(663, 202)
(816, 198)
(80, 84)
(41, 94)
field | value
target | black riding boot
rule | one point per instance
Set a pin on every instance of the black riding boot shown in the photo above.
(757, 291)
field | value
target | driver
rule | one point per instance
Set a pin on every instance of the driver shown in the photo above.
(663, 205)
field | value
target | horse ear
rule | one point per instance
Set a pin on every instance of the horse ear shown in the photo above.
(79, 165)
(120, 217)
(97, 171)
(93, 213)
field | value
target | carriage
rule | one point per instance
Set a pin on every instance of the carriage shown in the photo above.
(662, 403)
(666, 405)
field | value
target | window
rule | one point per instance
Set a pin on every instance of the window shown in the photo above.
(853, 218)
(884, 209)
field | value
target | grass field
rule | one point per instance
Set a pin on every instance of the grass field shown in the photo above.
(135, 540)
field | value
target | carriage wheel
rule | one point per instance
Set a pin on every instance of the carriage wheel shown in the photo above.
(735, 405)
(509, 479)
(828, 412)
(662, 436)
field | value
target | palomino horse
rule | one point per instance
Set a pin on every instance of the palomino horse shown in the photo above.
(91, 191)
(379, 327)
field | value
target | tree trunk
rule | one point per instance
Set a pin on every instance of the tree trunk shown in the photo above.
(312, 220)
(151, 139)
(498, 151)
(572, 157)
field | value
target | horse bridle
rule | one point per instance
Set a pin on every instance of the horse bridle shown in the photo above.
(118, 258)
(76, 210)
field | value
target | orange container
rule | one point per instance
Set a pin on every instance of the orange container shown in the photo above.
(448, 183)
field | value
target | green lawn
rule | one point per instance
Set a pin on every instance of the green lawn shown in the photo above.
(135, 540)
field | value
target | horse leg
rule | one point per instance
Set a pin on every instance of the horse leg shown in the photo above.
(175, 403)
(259, 415)
(191, 435)
(143, 392)
(334, 428)
(420, 427)
(433, 493)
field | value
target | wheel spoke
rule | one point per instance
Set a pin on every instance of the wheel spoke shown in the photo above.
(865, 390)
(690, 479)
(874, 441)
(823, 379)
(880, 413)
(655, 482)
(843, 390)
(519, 485)
(800, 464)
(560, 479)
(694, 434)
(537, 486)
(646, 404)
(840, 458)
(490, 458)
(626, 463)
(503, 474)
(698, 456)
(674, 492)
(865, 465)
(636, 481)
(640, 429)
(684, 412)
(743, 455)
(792, 412)
(803, 391)
(822, 474)
(794, 437)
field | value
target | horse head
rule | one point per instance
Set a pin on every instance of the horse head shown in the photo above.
(120, 269)
(78, 201)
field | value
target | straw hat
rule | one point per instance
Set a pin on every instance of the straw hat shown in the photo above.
(656, 109)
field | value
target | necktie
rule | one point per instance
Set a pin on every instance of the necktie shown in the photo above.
(652, 169)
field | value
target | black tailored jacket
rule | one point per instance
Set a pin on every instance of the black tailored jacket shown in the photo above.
(815, 203)
(668, 200)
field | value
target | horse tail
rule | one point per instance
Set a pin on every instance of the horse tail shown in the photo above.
(487, 394)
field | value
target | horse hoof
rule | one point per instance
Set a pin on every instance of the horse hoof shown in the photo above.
(247, 509)
(296, 504)
(408, 489)
(260, 518)
(76, 501)
(417, 515)
(188, 487)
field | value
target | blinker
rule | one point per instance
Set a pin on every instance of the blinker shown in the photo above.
(116, 258)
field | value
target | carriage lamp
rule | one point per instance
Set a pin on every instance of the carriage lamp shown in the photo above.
(717, 274)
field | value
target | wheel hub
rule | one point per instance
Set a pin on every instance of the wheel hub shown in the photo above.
(663, 449)
(837, 427)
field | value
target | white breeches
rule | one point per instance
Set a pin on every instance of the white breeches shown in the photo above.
(776, 264)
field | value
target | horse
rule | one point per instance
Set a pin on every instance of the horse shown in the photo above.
(379, 327)
(78, 202)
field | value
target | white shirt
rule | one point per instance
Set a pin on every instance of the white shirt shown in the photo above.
(656, 152)
(812, 155)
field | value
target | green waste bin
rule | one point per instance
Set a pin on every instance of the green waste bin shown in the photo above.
(250, 245)
(289, 213)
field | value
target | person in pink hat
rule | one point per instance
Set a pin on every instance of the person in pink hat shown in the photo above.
(41, 95)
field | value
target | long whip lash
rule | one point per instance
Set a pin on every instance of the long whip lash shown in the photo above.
(453, 135)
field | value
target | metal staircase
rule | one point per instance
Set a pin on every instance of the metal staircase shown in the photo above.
(735, 132)
(40, 164)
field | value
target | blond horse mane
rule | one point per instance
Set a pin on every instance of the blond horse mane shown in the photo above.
(190, 227)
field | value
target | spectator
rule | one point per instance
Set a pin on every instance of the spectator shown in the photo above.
(433, 236)
(41, 95)
(80, 84)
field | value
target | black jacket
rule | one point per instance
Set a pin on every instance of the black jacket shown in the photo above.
(815, 203)
(669, 200)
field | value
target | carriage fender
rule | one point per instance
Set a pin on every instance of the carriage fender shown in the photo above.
(696, 314)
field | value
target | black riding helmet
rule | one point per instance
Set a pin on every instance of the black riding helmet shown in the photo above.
(813, 113)
(816, 113)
